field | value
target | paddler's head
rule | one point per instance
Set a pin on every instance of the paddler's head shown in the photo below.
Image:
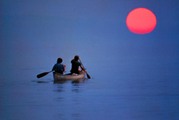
(76, 58)
(59, 60)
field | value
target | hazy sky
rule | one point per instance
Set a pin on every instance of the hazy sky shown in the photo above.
(34, 33)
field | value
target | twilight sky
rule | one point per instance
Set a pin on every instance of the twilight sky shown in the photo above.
(33, 33)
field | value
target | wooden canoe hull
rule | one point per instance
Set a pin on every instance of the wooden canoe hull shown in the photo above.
(60, 78)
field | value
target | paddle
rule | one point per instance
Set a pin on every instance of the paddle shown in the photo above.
(88, 76)
(43, 74)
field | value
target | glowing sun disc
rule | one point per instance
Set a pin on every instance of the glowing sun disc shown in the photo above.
(141, 21)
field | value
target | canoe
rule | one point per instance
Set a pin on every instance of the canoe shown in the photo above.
(74, 77)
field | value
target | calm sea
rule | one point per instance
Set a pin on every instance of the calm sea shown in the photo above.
(146, 93)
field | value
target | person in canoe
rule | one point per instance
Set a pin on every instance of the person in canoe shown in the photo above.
(76, 65)
(59, 67)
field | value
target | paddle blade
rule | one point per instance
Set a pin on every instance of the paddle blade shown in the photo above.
(88, 76)
(42, 74)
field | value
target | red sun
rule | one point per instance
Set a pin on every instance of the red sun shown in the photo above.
(141, 21)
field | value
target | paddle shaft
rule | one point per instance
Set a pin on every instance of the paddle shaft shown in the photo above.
(43, 74)
(84, 69)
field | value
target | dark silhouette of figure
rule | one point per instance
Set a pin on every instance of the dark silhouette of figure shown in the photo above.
(59, 67)
(76, 65)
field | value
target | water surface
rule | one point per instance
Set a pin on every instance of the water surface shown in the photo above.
(118, 95)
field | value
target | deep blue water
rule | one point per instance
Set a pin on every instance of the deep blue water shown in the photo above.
(147, 93)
